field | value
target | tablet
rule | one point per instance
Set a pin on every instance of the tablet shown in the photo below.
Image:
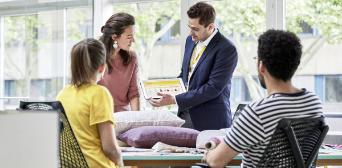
(150, 88)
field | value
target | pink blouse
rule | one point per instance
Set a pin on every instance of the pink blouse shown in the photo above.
(122, 82)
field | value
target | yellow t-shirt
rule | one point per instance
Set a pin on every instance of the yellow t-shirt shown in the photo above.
(86, 107)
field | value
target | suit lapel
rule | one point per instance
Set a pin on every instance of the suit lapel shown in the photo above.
(188, 58)
(207, 51)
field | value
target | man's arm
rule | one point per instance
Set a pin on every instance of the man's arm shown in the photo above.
(222, 72)
(220, 156)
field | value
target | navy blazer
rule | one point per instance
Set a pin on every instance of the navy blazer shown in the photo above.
(207, 98)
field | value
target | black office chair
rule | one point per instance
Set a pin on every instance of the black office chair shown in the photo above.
(295, 143)
(43, 106)
(70, 153)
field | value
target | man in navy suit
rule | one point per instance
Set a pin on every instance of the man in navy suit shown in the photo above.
(208, 64)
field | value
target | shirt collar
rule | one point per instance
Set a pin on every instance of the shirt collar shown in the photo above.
(206, 42)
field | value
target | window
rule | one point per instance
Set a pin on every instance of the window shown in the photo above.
(239, 92)
(36, 47)
(79, 25)
(333, 89)
(242, 22)
(172, 34)
(321, 54)
(306, 28)
(36, 38)
(157, 36)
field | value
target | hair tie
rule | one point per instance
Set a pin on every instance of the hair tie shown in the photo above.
(106, 30)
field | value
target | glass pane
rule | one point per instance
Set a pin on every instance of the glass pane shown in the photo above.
(333, 89)
(242, 22)
(318, 24)
(31, 55)
(36, 51)
(157, 37)
(79, 25)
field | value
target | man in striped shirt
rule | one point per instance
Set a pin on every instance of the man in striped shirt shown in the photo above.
(279, 54)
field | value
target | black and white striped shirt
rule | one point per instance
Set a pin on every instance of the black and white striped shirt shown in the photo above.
(252, 130)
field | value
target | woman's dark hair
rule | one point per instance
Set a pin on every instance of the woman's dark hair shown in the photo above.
(86, 57)
(203, 11)
(280, 52)
(116, 24)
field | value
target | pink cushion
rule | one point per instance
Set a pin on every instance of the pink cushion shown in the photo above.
(147, 136)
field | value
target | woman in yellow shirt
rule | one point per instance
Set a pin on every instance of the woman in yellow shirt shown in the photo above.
(89, 107)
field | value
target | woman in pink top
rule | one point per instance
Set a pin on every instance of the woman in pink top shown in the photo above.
(121, 75)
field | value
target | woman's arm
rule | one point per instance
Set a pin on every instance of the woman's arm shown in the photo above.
(109, 145)
(135, 105)
(133, 93)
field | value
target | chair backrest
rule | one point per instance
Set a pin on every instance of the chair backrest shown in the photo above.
(70, 153)
(295, 143)
(44, 106)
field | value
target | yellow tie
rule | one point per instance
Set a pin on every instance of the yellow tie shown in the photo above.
(195, 59)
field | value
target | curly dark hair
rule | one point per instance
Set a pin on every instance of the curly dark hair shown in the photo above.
(280, 52)
(203, 11)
